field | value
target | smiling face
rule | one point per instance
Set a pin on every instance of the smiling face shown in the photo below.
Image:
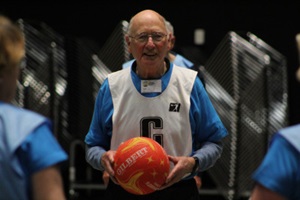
(148, 40)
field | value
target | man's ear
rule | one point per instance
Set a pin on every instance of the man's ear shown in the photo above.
(128, 42)
(171, 40)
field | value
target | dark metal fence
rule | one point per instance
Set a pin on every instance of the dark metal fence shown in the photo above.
(246, 80)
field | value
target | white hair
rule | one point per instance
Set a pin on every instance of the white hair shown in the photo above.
(169, 27)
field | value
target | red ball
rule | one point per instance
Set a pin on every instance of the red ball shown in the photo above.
(141, 165)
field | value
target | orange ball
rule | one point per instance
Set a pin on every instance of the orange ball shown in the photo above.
(141, 165)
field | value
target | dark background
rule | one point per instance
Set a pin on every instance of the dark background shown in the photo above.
(275, 23)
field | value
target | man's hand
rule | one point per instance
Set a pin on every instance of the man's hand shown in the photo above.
(107, 161)
(182, 166)
(105, 178)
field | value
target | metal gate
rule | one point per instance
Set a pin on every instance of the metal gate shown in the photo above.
(246, 80)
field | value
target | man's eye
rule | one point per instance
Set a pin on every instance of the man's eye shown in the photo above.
(143, 37)
(157, 37)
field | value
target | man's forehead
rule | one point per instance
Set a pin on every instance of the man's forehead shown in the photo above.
(148, 27)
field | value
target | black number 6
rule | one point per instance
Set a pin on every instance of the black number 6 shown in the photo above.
(157, 123)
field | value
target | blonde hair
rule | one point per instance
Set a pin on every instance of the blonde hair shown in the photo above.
(12, 45)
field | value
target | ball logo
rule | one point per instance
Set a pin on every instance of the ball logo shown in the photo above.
(131, 160)
(141, 165)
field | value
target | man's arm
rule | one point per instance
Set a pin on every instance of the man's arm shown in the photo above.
(48, 184)
(262, 193)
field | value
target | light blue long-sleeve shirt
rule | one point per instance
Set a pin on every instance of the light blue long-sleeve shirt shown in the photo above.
(206, 126)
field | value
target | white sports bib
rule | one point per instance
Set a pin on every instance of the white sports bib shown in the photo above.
(164, 118)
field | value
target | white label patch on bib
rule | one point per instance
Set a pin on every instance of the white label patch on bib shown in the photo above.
(149, 86)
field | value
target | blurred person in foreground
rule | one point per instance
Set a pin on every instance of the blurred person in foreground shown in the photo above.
(155, 89)
(29, 153)
(278, 176)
